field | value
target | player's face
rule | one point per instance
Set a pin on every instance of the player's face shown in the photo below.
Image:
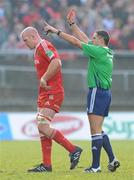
(29, 41)
(96, 39)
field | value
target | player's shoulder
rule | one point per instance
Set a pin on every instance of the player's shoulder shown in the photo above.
(44, 45)
(48, 46)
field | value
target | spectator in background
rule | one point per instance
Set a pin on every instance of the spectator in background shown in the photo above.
(43, 10)
(108, 22)
(2, 10)
(115, 41)
(4, 30)
(125, 36)
(4, 25)
(11, 42)
(119, 11)
(18, 27)
(110, 14)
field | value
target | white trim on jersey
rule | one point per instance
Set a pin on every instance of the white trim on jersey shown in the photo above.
(44, 45)
(38, 44)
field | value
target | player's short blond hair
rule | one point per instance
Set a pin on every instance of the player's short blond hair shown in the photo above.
(29, 29)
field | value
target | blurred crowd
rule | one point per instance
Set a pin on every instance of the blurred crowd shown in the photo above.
(115, 16)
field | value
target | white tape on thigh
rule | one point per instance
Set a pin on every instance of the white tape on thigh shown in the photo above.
(41, 135)
(42, 120)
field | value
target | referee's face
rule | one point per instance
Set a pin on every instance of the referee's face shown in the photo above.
(96, 39)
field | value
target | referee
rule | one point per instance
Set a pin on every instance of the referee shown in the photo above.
(99, 80)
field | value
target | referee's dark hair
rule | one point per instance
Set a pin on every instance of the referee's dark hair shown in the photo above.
(104, 35)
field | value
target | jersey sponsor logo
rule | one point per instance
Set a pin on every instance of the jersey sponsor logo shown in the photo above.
(38, 53)
(36, 61)
(50, 54)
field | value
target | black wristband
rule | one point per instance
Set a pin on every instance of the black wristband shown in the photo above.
(59, 31)
(71, 23)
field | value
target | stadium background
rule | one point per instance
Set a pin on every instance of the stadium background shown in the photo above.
(18, 83)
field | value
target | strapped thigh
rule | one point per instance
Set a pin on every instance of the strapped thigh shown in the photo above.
(44, 122)
(42, 119)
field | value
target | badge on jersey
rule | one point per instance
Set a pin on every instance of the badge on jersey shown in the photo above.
(50, 54)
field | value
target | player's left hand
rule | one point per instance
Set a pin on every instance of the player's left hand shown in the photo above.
(47, 28)
(43, 83)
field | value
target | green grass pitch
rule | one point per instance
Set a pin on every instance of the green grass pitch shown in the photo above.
(17, 156)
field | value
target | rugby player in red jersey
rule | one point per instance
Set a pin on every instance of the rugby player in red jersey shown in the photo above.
(51, 95)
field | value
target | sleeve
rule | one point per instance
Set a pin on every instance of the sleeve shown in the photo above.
(48, 51)
(50, 54)
(90, 50)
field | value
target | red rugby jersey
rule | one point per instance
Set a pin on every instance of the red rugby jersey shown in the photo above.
(45, 52)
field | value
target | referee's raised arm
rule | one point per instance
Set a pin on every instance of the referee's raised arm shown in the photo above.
(71, 20)
(67, 37)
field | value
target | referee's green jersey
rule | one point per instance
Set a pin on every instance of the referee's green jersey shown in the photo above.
(100, 65)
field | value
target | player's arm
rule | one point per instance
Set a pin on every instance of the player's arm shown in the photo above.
(71, 16)
(67, 37)
(52, 69)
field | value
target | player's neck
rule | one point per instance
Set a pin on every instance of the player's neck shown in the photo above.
(39, 40)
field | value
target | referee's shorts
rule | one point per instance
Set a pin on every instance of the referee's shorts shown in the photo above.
(98, 101)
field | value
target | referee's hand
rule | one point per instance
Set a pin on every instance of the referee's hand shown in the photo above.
(49, 29)
(71, 15)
